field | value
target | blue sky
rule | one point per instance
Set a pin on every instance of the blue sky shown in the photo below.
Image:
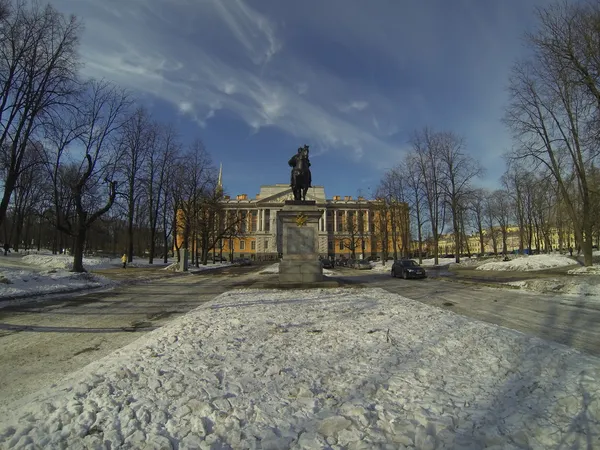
(353, 79)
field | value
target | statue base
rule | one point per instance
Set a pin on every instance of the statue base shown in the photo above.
(299, 223)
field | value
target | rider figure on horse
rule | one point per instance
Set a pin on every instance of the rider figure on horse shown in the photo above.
(293, 161)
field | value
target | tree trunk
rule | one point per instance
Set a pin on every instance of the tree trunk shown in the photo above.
(152, 245)
(166, 244)
(130, 233)
(9, 187)
(79, 243)
(456, 237)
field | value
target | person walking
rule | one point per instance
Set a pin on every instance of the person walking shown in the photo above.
(124, 260)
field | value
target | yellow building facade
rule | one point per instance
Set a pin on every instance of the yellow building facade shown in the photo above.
(347, 226)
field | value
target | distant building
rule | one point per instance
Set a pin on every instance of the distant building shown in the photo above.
(348, 225)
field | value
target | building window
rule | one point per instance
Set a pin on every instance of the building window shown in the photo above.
(253, 245)
(242, 245)
(266, 244)
(267, 224)
(330, 245)
(243, 221)
(254, 220)
(341, 245)
(330, 227)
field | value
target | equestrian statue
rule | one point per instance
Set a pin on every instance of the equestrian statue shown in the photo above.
(301, 177)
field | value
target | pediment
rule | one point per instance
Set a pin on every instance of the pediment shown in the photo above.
(282, 196)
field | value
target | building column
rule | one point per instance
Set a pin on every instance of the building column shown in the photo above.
(335, 217)
(325, 220)
(258, 221)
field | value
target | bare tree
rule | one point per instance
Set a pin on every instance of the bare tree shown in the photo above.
(516, 181)
(555, 105)
(490, 220)
(457, 173)
(381, 224)
(195, 175)
(4, 9)
(157, 168)
(139, 136)
(29, 192)
(393, 189)
(476, 213)
(38, 69)
(102, 111)
(426, 146)
(502, 210)
(416, 199)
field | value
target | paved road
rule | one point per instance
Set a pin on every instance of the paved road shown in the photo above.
(558, 318)
(41, 342)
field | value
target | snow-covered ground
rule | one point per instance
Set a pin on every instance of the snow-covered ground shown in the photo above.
(44, 273)
(341, 368)
(526, 263)
(274, 268)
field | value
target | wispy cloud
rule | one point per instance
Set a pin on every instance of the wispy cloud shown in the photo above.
(353, 106)
(324, 72)
(254, 31)
(199, 81)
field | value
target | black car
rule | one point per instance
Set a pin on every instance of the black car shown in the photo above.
(407, 268)
(326, 263)
(242, 262)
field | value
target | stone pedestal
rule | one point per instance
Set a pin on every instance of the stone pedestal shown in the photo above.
(299, 224)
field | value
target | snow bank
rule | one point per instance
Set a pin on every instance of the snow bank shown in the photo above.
(65, 261)
(192, 268)
(274, 269)
(525, 263)
(441, 261)
(564, 285)
(589, 270)
(342, 368)
(379, 267)
(23, 283)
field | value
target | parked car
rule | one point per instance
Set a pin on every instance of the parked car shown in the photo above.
(326, 263)
(362, 264)
(408, 268)
(242, 262)
(374, 258)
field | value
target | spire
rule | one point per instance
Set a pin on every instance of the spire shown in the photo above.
(220, 179)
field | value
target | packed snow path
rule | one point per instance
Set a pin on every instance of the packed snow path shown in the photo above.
(340, 368)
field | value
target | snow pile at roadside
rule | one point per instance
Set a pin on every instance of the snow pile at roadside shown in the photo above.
(583, 289)
(589, 270)
(65, 261)
(525, 263)
(441, 261)
(274, 269)
(23, 283)
(192, 268)
(379, 267)
(348, 368)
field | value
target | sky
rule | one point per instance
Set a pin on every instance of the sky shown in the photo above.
(255, 80)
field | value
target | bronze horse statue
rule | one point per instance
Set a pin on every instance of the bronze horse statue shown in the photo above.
(301, 176)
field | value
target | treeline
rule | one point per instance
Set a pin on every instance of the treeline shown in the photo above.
(552, 184)
(83, 168)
